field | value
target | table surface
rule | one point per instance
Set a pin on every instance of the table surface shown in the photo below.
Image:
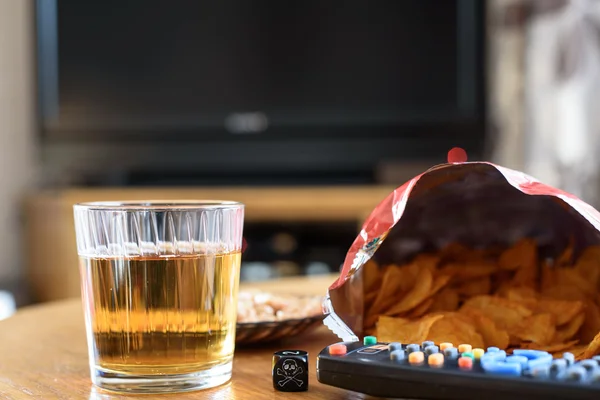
(43, 355)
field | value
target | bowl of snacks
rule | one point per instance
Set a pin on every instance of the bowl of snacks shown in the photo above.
(268, 317)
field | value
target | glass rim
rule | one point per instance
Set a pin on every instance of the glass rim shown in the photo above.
(157, 205)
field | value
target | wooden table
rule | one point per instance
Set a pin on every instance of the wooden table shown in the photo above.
(43, 355)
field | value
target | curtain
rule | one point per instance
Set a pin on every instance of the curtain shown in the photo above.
(544, 91)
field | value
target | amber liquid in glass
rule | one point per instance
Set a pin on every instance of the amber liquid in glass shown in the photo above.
(161, 315)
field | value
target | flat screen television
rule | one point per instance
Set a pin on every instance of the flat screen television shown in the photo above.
(235, 91)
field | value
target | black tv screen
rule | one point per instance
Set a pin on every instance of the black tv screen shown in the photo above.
(233, 71)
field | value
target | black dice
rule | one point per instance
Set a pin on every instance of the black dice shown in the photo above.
(290, 370)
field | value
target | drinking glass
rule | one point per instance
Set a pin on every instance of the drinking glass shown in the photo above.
(159, 284)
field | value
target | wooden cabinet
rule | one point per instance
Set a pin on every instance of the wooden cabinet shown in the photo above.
(50, 251)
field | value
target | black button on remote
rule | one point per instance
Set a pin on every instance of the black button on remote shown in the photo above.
(397, 355)
(569, 358)
(557, 368)
(576, 373)
(395, 346)
(589, 365)
(427, 343)
(451, 353)
(411, 348)
(541, 372)
(432, 349)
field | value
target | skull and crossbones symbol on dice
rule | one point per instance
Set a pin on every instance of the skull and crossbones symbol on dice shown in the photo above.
(289, 372)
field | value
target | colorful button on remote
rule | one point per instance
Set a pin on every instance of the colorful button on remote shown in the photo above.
(436, 360)
(416, 357)
(445, 345)
(464, 348)
(337, 349)
(465, 363)
(477, 353)
(369, 340)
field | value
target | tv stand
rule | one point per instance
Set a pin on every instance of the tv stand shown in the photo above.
(51, 255)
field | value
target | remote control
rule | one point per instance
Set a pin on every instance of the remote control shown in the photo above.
(443, 371)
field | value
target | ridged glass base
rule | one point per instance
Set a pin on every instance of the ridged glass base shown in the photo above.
(152, 384)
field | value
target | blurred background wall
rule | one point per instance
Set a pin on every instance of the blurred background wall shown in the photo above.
(544, 90)
(18, 124)
(309, 112)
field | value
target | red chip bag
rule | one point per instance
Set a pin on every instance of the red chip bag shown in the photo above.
(476, 204)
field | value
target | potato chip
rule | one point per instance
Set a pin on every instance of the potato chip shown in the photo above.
(446, 300)
(587, 265)
(547, 275)
(577, 350)
(440, 282)
(372, 331)
(563, 311)
(387, 295)
(528, 270)
(369, 298)
(475, 287)
(520, 293)
(414, 297)
(490, 333)
(470, 270)
(521, 297)
(566, 257)
(453, 328)
(564, 292)
(421, 309)
(371, 276)
(522, 255)
(593, 348)
(412, 270)
(538, 328)
(402, 330)
(429, 261)
(501, 282)
(526, 276)
(511, 299)
(570, 277)
(591, 324)
(505, 313)
(570, 329)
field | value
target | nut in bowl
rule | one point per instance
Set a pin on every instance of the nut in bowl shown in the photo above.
(266, 317)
